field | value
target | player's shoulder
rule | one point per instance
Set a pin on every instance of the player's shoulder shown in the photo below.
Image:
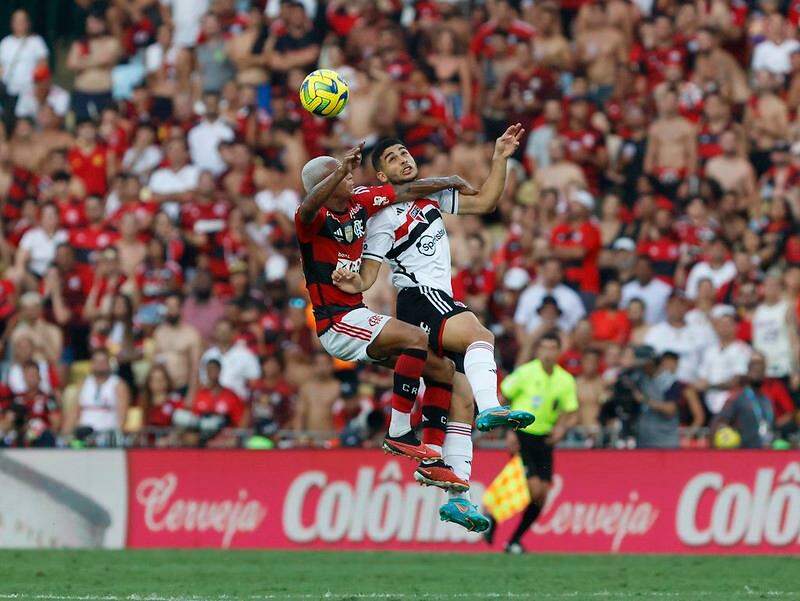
(373, 195)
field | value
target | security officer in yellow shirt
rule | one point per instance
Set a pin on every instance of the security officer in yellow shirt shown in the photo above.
(547, 390)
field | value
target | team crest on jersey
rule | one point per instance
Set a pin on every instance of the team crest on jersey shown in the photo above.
(347, 232)
(417, 215)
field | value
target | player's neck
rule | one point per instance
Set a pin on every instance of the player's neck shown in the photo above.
(337, 205)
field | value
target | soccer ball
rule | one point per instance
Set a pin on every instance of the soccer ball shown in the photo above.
(324, 93)
(727, 438)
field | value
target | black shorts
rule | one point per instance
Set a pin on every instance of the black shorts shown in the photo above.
(429, 309)
(537, 456)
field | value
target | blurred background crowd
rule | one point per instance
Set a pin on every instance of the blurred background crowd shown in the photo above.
(150, 286)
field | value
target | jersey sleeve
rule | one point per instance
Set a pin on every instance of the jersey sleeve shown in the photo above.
(447, 200)
(374, 198)
(305, 231)
(380, 237)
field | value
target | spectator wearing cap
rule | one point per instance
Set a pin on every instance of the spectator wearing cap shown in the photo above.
(620, 261)
(205, 137)
(674, 334)
(547, 315)
(724, 362)
(717, 267)
(239, 366)
(577, 244)
(658, 394)
(652, 291)
(548, 283)
(20, 53)
(43, 92)
(92, 58)
(317, 396)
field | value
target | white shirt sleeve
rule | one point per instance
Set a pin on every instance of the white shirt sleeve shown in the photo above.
(693, 281)
(251, 368)
(380, 236)
(759, 55)
(526, 307)
(447, 200)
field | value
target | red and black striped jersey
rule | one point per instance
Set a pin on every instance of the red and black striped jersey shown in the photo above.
(335, 240)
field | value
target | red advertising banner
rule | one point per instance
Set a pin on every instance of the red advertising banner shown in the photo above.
(601, 501)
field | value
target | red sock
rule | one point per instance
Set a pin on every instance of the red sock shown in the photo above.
(435, 407)
(407, 372)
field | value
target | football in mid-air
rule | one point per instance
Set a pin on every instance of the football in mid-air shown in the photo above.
(324, 93)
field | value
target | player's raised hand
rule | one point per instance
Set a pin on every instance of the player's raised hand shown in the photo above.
(507, 144)
(463, 186)
(346, 280)
(352, 158)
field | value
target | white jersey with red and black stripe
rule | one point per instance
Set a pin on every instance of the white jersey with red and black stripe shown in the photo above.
(412, 237)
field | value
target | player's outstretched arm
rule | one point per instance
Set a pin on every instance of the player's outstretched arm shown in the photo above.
(430, 185)
(352, 282)
(486, 199)
(320, 193)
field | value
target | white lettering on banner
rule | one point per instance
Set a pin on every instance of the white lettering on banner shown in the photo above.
(378, 507)
(227, 517)
(764, 513)
(617, 519)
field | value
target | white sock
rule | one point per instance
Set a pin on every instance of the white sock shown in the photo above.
(458, 453)
(399, 424)
(481, 371)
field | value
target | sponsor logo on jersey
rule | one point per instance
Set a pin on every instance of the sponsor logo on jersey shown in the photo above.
(426, 245)
(380, 201)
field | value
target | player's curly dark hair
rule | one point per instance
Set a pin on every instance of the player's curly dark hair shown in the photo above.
(380, 148)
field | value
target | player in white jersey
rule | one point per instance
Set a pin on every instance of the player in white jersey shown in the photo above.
(412, 237)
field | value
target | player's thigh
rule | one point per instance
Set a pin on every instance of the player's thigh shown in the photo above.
(463, 403)
(395, 337)
(461, 330)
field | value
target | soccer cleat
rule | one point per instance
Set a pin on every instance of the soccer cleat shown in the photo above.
(438, 473)
(514, 548)
(408, 445)
(497, 417)
(463, 513)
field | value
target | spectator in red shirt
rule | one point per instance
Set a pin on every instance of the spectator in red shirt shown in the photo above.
(610, 324)
(39, 410)
(158, 400)
(475, 284)
(217, 402)
(273, 396)
(423, 115)
(90, 161)
(577, 244)
(662, 246)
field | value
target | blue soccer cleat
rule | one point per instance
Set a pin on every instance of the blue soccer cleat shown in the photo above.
(462, 512)
(497, 417)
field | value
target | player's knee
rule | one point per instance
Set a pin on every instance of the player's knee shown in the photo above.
(482, 334)
(448, 370)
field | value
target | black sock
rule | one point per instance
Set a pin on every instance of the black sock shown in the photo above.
(528, 517)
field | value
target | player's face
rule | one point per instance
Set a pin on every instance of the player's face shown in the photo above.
(397, 165)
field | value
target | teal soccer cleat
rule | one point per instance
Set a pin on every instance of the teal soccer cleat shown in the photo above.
(497, 417)
(462, 512)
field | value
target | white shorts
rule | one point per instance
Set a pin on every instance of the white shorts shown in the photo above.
(348, 338)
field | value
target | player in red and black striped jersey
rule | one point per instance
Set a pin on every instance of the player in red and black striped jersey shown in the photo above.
(331, 225)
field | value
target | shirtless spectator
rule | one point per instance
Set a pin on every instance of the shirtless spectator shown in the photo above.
(92, 58)
(561, 174)
(591, 395)
(671, 154)
(724, 67)
(315, 399)
(247, 50)
(550, 47)
(732, 171)
(766, 117)
(601, 49)
(178, 347)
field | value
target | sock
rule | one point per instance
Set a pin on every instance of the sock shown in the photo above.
(458, 453)
(528, 518)
(435, 406)
(407, 372)
(481, 371)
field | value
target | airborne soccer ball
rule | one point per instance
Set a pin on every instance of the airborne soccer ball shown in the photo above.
(324, 93)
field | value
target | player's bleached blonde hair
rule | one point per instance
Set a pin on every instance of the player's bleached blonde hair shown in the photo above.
(316, 170)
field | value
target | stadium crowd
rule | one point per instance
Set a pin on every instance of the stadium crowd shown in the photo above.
(150, 286)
